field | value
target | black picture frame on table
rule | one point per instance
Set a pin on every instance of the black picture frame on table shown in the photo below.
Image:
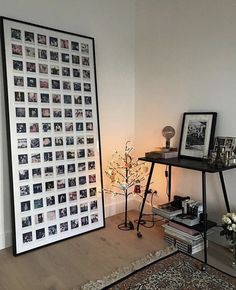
(197, 134)
(47, 206)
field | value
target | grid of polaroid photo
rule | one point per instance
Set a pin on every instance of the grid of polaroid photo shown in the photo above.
(55, 119)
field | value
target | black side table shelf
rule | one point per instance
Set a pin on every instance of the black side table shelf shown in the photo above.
(197, 165)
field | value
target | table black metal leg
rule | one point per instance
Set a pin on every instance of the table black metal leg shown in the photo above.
(144, 198)
(224, 191)
(204, 217)
(169, 183)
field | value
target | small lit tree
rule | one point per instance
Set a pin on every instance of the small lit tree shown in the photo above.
(126, 174)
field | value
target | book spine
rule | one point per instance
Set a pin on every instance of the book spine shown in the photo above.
(183, 228)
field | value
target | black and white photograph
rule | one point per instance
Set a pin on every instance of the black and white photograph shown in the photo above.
(54, 129)
(197, 134)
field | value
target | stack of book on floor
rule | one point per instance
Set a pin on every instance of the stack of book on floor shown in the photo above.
(185, 239)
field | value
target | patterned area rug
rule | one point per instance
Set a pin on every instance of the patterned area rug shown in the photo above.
(176, 271)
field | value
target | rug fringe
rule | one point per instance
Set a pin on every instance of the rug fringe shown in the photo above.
(124, 271)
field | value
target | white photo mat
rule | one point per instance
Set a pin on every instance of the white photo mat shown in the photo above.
(50, 83)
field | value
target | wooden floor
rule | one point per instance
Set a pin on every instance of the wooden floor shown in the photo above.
(71, 263)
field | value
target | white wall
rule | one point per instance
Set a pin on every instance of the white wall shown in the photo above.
(185, 61)
(111, 23)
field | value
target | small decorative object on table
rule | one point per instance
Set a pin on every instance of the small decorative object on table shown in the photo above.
(126, 175)
(229, 230)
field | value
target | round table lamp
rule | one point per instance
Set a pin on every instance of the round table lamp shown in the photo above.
(168, 132)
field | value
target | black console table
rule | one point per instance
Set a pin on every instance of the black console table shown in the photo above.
(197, 165)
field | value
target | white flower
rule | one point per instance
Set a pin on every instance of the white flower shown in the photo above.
(234, 227)
(233, 217)
(229, 228)
(226, 220)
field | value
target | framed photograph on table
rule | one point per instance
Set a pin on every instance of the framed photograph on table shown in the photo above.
(197, 134)
(53, 134)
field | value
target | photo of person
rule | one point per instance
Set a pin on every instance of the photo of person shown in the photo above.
(58, 141)
(84, 221)
(61, 183)
(62, 212)
(89, 113)
(26, 221)
(45, 112)
(64, 44)
(80, 153)
(57, 113)
(66, 85)
(22, 143)
(70, 154)
(67, 99)
(33, 112)
(60, 169)
(53, 41)
(42, 39)
(59, 155)
(22, 159)
(65, 71)
(82, 180)
(16, 49)
(68, 113)
(78, 100)
(87, 87)
(76, 73)
(37, 188)
(72, 196)
(65, 57)
(86, 74)
(18, 65)
(85, 61)
(89, 126)
(50, 200)
(74, 224)
(81, 166)
(52, 230)
(58, 128)
(29, 36)
(42, 53)
(90, 152)
(34, 127)
(91, 165)
(88, 100)
(92, 178)
(38, 203)
(43, 84)
(36, 172)
(77, 86)
(73, 209)
(18, 81)
(56, 84)
(49, 185)
(32, 97)
(48, 156)
(51, 215)
(31, 67)
(30, 52)
(93, 205)
(19, 96)
(43, 68)
(48, 171)
(79, 113)
(92, 191)
(25, 206)
(94, 218)
(71, 182)
(31, 82)
(21, 127)
(83, 193)
(79, 126)
(83, 207)
(61, 198)
(20, 112)
(56, 98)
(34, 143)
(54, 56)
(46, 127)
(84, 48)
(39, 218)
(27, 237)
(70, 168)
(15, 34)
(64, 227)
(75, 59)
(24, 190)
(69, 126)
(40, 234)
(35, 158)
(69, 140)
(74, 45)
(80, 140)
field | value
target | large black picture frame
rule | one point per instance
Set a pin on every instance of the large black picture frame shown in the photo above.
(53, 134)
(197, 134)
